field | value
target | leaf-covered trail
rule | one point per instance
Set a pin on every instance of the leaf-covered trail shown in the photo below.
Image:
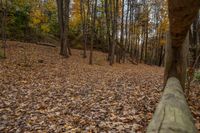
(42, 92)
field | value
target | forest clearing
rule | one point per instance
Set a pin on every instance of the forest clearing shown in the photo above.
(43, 92)
(99, 66)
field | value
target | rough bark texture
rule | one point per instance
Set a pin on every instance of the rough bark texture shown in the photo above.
(83, 24)
(181, 15)
(114, 31)
(3, 26)
(93, 31)
(176, 60)
(61, 24)
(63, 18)
(172, 114)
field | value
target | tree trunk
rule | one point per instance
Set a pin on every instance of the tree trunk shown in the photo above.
(60, 20)
(161, 56)
(142, 47)
(146, 36)
(122, 25)
(63, 18)
(107, 12)
(93, 32)
(67, 50)
(3, 26)
(172, 114)
(83, 22)
(126, 31)
(176, 53)
(176, 61)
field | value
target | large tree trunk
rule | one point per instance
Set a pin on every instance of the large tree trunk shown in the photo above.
(176, 61)
(181, 15)
(63, 18)
(172, 113)
(61, 24)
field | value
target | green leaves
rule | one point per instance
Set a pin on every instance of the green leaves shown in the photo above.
(31, 16)
(197, 75)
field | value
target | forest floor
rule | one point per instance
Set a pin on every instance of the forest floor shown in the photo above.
(40, 91)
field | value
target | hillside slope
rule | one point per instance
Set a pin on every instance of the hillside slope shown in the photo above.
(40, 91)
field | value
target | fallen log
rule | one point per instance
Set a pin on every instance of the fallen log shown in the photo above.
(45, 44)
(132, 61)
(172, 114)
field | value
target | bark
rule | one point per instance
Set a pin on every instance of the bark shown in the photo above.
(146, 35)
(114, 31)
(142, 47)
(126, 30)
(181, 15)
(122, 25)
(161, 56)
(63, 18)
(172, 114)
(194, 41)
(93, 32)
(108, 28)
(122, 33)
(3, 26)
(67, 13)
(83, 22)
(60, 20)
(176, 61)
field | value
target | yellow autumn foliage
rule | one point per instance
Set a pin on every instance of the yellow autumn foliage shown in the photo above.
(163, 42)
(45, 28)
(51, 5)
(38, 19)
(75, 20)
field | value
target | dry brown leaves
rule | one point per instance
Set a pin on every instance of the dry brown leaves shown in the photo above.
(42, 92)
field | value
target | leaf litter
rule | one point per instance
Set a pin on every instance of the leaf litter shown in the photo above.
(40, 91)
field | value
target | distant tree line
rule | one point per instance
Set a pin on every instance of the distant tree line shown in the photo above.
(28, 20)
(128, 30)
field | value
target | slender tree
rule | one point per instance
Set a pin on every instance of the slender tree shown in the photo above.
(83, 22)
(63, 18)
(93, 31)
(3, 10)
(114, 31)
